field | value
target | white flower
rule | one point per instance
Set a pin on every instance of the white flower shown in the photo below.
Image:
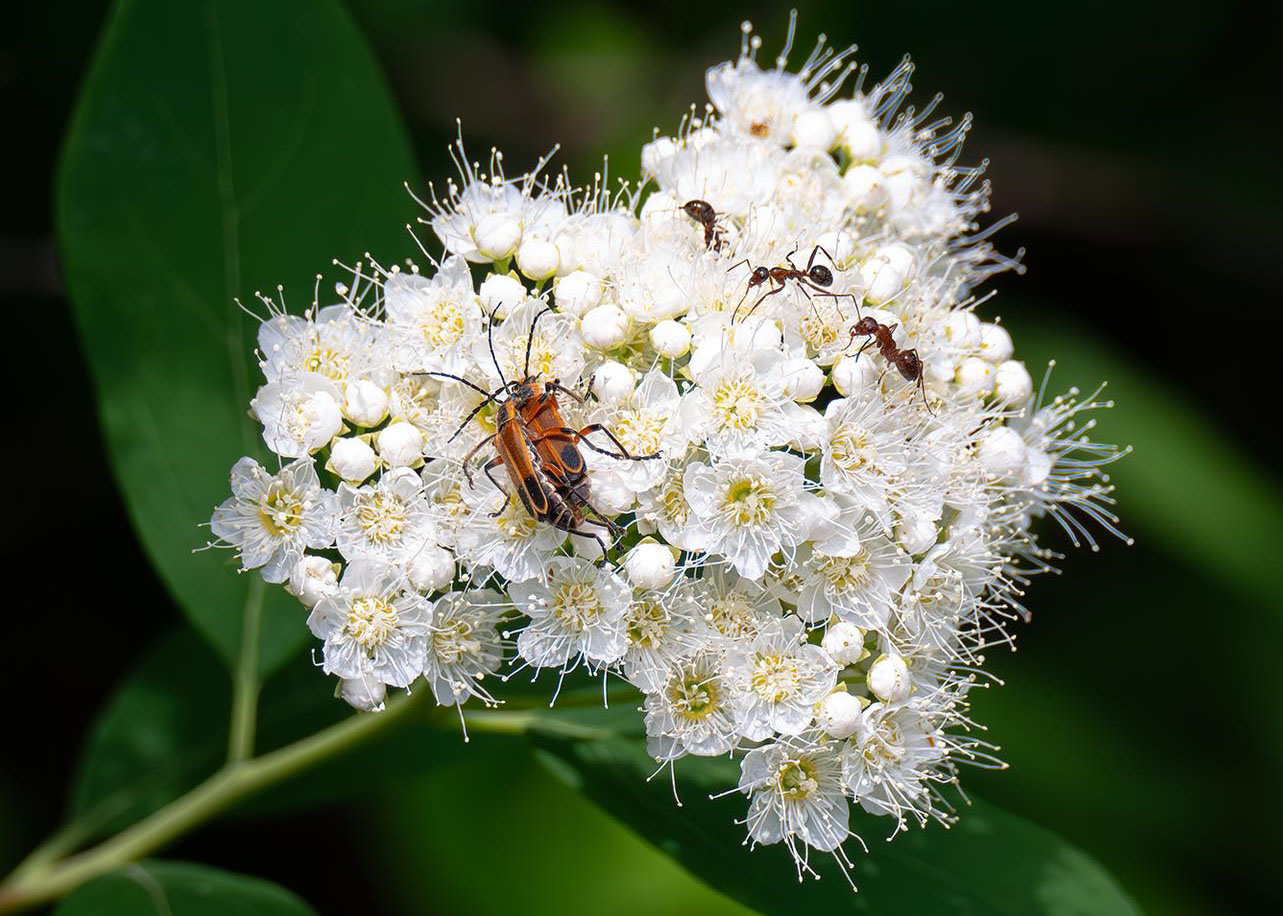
(271, 519)
(662, 628)
(332, 343)
(664, 508)
(512, 543)
(604, 327)
(579, 610)
(352, 459)
(577, 293)
(888, 679)
(839, 714)
(538, 258)
(299, 416)
(795, 793)
(844, 642)
(464, 645)
(431, 568)
(748, 509)
(312, 579)
(650, 565)
(737, 609)
(670, 338)
(866, 450)
(613, 382)
(388, 520)
(778, 679)
(364, 693)
(400, 444)
(858, 586)
(364, 403)
(691, 711)
(645, 422)
(1012, 383)
(889, 763)
(428, 319)
(371, 626)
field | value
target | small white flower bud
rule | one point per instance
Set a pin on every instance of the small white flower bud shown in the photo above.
(888, 679)
(365, 403)
(863, 140)
(995, 343)
(312, 579)
(851, 375)
(655, 152)
(670, 338)
(352, 459)
(882, 281)
(900, 174)
(497, 236)
(431, 568)
(844, 642)
(866, 187)
(612, 382)
(364, 693)
(900, 258)
(1012, 383)
(1002, 452)
(915, 534)
(962, 329)
(604, 327)
(577, 292)
(975, 375)
(650, 565)
(538, 259)
(803, 379)
(611, 495)
(400, 444)
(839, 714)
(814, 127)
(501, 292)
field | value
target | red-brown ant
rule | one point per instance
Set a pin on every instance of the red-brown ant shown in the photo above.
(815, 277)
(702, 212)
(907, 361)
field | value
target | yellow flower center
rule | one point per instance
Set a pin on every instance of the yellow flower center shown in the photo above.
(371, 622)
(280, 510)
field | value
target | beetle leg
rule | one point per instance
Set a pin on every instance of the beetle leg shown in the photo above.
(555, 385)
(507, 497)
(467, 471)
(582, 436)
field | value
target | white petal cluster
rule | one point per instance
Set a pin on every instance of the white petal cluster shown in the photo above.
(810, 536)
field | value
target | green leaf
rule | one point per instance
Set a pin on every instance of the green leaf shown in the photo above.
(218, 148)
(180, 889)
(990, 863)
(165, 730)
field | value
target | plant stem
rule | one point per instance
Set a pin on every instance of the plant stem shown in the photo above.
(44, 880)
(245, 685)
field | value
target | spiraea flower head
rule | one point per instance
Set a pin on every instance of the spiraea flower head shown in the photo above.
(738, 436)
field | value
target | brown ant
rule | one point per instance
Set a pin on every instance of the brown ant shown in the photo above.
(702, 212)
(815, 277)
(907, 361)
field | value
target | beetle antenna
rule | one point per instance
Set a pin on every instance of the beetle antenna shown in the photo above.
(490, 341)
(530, 341)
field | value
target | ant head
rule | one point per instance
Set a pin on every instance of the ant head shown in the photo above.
(760, 276)
(910, 365)
(701, 211)
(865, 326)
(820, 275)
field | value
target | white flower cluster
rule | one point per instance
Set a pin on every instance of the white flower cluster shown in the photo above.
(812, 465)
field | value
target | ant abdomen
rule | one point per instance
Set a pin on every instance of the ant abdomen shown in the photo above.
(820, 275)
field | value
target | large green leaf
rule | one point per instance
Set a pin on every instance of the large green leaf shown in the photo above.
(218, 148)
(165, 729)
(990, 863)
(180, 889)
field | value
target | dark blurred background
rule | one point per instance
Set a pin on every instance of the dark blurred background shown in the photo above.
(1141, 715)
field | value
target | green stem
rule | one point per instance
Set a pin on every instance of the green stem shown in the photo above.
(42, 880)
(245, 685)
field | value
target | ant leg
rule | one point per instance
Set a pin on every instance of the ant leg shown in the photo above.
(507, 497)
(774, 290)
(467, 470)
(789, 257)
(737, 264)
(818, 248)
